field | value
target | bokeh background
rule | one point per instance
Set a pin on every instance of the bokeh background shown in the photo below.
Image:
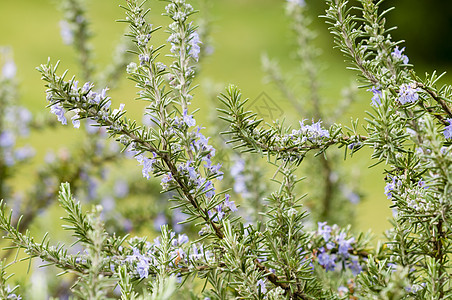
(242, 30)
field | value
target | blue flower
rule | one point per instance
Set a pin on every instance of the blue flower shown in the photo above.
(229, 204)
(376, 98)
(355, 267)
(182, 239)
(66, 32)
(390, 186)
(166, 179)
(147, 163)
(197, 254)
(194, 45)
(217, 212)
(261, 286)
(24, 153)
(188, 119)
(448, 130)
(76, 120)
(192, 174)
(159, 221)
(7, 139)
(327, 261)
(407, 94)
(143, 268)
(59, 111)
(215, 170)
(314, 132)
(324, 230)
(344, 245)
(209, 189)
(397, 54)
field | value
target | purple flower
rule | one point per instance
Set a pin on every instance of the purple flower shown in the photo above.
(66, 32)
(407, 94)
(215, 169)
(76, 120)
(197, 254)
(147, 164)
(59, 111)
(317, 130)
(355, 267)
(118, 110)
(448, 130)
(108, 203)
(7, 139)
(159, 221)
(143, 268)
(188, 119)
(390, 186)
(166, 179)
(201, 145)
(261, 286)
(327, 261)
(397, 54)
(217, 212)
(229, 204)
(324, 230)
(182, 239)
(238, 167)
(376, 98)
(178, 216)
(24, 153)
(314, 131)
(178, 255)
(209, 189)
(192, 174)
(344, 245)
(194, 45)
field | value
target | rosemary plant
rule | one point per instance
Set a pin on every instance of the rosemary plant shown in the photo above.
(278, 256)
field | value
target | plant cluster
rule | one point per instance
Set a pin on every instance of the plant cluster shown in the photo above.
(276, 253)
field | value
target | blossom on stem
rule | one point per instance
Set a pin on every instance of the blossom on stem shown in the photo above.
(76, 120)
(397, 54)
(324, 230)
(59, 111)
(194, 42)
(313, 132)
(147, 164)
(377, 94)
(261, 286)
(166, 179)
(390, 186)
(188, 119)
(326, 260)
(229, 204)
(448, 129)
(407, 94)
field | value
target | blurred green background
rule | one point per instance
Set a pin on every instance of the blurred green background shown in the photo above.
(242, 30)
